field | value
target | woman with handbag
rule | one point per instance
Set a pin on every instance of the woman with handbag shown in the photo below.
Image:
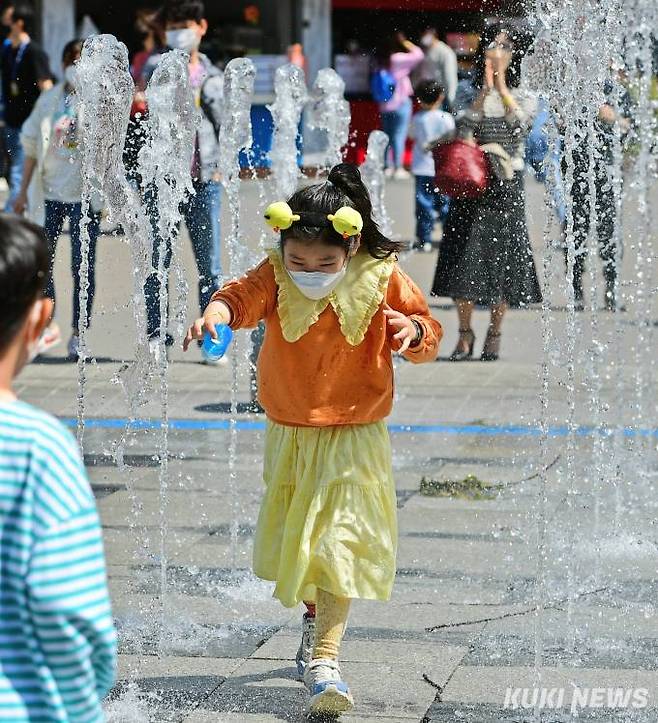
(485, 256)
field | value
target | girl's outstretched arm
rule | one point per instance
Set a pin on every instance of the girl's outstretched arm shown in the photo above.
(250, 298)
(240, 304)
(404, 296)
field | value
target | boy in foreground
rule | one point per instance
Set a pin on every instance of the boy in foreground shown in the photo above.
(57, 639)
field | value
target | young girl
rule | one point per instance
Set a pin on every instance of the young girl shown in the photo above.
(335, 305)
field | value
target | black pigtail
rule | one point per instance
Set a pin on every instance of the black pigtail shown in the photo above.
(347, 178)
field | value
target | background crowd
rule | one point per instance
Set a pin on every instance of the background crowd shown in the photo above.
(426, 96)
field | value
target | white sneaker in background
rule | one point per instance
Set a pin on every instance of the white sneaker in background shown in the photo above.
(305, 650)
(388, 172)
(329, 692)
(401, 174)
(51, 336)
(155, 350)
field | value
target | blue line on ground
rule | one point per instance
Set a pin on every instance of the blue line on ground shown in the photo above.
(486, 430)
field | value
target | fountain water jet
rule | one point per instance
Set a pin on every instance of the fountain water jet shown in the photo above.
(104, 88)
(329, 112)
(164, 166)
(372, 172)
(290, 98)
(235, 134)
(570, 66)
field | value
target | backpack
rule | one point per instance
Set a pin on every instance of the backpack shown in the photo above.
(382, 85)
(462, 170)
(536, 144)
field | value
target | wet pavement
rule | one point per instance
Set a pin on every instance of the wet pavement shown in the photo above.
(462, 624)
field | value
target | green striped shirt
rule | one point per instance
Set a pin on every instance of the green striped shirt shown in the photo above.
(57, 639)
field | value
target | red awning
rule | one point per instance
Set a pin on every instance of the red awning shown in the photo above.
(463, 6)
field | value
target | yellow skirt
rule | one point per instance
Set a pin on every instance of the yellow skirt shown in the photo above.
(328, 518)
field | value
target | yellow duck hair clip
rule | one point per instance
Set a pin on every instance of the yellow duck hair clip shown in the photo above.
(346, 221)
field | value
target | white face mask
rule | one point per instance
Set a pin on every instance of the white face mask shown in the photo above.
(427, 40)
(70, 75)
(185, 39)
(317, 284)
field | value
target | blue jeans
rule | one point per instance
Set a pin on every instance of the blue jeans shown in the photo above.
(201, 216)
(56, 213)
(430, 205)
(395, 123)
(15, 155)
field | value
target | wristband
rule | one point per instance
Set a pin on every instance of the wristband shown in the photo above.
(419, 333)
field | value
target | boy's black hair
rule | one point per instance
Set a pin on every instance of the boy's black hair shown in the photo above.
(72, 49)
(344, 187)
(25, 12)
(24, 266)
(179, 11)
(429, 91)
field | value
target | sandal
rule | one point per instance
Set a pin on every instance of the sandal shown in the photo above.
(491, 347)
(460, 354)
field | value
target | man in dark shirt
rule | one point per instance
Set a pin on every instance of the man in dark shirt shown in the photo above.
(25, 73)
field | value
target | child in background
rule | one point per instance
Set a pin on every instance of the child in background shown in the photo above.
(57, 639)
(336, 305)
(429, 124)
(52, 173)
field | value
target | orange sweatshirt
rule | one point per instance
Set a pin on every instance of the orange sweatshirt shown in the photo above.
(321, 379)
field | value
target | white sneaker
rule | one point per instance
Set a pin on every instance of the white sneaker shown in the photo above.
(155, 349)
(50, 337)
(305, 650)
(329, 693)
(388, 172)
(401, 174)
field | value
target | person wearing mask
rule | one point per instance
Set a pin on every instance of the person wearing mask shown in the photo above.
(185, 26)
(151, 34)
(399, 56)
(485, 256)
(51, 186)
(25, 73)
(440, 65)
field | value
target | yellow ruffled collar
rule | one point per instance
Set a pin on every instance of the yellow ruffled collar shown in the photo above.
(355, 300)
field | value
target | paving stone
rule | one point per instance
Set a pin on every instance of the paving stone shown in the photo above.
(488, 684)
(592, 652)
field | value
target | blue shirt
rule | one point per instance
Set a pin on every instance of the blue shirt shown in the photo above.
(57, 639)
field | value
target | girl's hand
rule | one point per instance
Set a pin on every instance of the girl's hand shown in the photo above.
(407, 334)
(216, 313)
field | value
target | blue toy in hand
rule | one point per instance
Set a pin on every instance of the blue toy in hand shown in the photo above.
(214, 349)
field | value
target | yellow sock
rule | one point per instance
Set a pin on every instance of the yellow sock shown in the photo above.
(330, 621)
